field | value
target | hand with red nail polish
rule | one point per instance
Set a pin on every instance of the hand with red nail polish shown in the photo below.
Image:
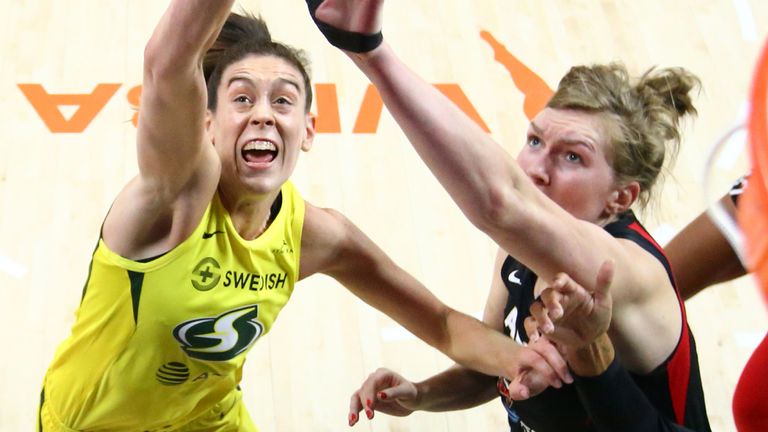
(384, 391)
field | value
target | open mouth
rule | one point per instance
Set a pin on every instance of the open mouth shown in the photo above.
(259, 152)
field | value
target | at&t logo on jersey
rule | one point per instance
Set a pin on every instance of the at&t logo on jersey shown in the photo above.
(221, 338)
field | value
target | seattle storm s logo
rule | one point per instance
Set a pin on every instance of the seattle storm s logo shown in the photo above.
(221, 338)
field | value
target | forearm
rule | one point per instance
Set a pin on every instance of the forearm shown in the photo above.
(593, 359)
(358, 264)
(454, 389)
(473, 344)
(477, 172)
(173, 99)
(610, 395)
(185, 32)
(700, 255)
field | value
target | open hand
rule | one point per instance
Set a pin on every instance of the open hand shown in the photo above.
(386, 391)
(540, 365)
(571, 315)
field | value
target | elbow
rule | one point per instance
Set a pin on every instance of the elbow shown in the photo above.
(155, 55)
(158, 62)
(496, 210)
(164, 61)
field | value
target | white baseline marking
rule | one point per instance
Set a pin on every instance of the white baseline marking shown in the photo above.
(12, 268)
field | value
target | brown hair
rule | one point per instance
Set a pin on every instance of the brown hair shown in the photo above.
(243, 35)
(646, 114)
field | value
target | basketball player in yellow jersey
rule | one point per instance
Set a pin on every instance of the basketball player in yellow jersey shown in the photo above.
(202, 249)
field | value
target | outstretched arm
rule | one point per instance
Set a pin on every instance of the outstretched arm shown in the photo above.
(178, 168)
(331, 244)
(387, 391)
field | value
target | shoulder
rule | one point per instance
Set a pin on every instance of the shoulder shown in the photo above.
(323, 226)
(324, 235)
(650, 273)
(333, 245)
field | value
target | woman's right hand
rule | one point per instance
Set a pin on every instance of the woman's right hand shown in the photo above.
(386, 391)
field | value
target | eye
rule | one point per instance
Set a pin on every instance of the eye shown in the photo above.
(242, 99)
(534, 141)
(282, 100)
(572, 157)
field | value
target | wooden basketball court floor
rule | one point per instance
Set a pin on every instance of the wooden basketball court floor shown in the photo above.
(64, 159)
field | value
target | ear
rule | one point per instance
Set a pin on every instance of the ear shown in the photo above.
(622, 198)
(310, 132)
(209, 124)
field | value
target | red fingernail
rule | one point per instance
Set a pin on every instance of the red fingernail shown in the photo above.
(369, 414)
(368, 403)
(382, 396)
(352, 419)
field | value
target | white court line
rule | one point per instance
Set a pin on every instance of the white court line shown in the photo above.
(746, 20)
(12, 268)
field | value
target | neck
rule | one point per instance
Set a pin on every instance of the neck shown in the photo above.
(250, 215)
(607, 218)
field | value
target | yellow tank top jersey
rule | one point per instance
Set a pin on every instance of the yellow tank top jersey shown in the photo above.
(157, 344)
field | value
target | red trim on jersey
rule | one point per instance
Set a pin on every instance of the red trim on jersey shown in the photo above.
(636, 227)
(678, 374)
(679, 363)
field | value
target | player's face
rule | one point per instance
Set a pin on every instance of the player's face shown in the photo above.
(260, 123)
(566, 156)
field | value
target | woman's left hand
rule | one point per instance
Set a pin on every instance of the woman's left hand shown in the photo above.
(570, 315)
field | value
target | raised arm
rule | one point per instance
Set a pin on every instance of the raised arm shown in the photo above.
(482, 178)
(178, 168)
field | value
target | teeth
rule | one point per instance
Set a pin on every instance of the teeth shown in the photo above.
(260, 145)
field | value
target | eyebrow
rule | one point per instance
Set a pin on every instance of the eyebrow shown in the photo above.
(250, 82)
(581, 143)
(572, 142)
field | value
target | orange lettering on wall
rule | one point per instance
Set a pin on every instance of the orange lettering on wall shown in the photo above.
(535, 90)
(134, 98)
(455, 94)
(47, 104)
(370, 110)
(327, 104)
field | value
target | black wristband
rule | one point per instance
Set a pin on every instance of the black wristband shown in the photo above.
(343, 39)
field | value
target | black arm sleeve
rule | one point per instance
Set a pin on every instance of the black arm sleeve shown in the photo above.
(615, 403)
